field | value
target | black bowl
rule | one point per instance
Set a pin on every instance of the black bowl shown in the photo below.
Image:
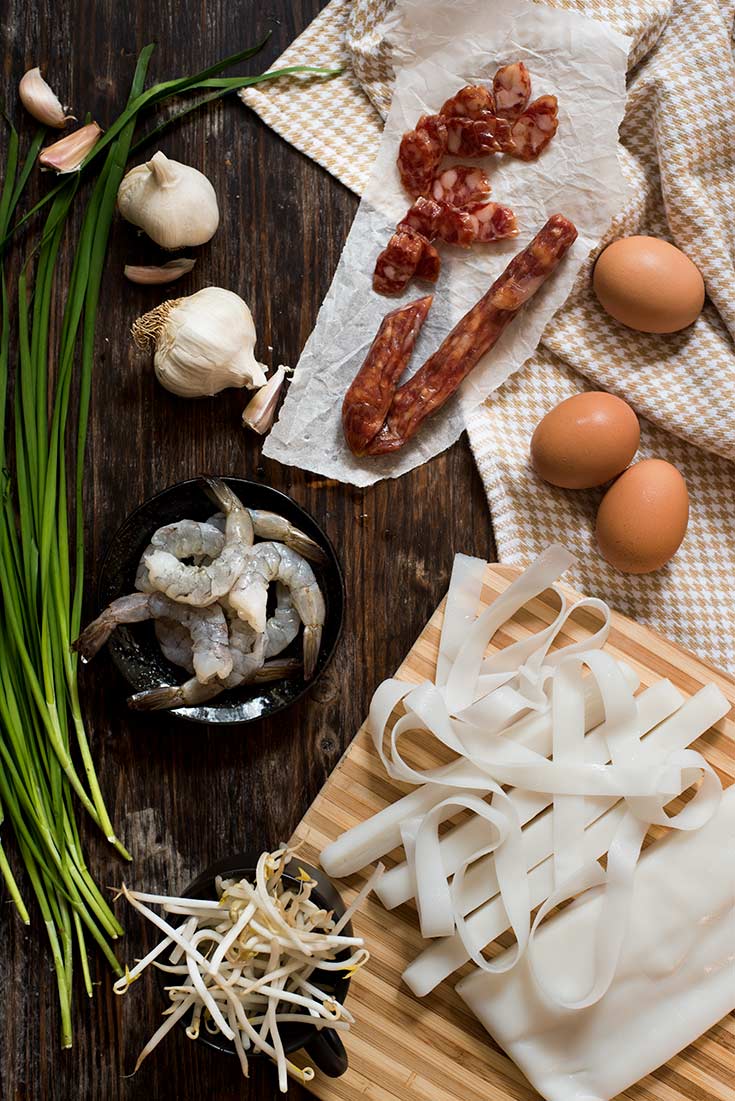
(324, 1046)
(134, 649)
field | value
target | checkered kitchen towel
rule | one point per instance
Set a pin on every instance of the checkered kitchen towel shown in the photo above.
(678, 155)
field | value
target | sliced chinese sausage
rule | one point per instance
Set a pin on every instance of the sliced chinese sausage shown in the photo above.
(472, 101)
(492, 222)
(478, 137)
(461, 185)
(407, 254)
(533, 130)
(420, 153)
(511, 90)
(368, 399)
(440, 376)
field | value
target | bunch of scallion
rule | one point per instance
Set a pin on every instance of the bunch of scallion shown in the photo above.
(46, 768)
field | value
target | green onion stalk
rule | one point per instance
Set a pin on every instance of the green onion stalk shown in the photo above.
(46, 766)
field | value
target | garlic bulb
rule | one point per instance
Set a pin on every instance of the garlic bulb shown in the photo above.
(173, 203)
(204, 343)
(41, 101)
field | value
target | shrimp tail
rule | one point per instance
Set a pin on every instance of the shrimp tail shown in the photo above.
(94, 637)
(225, 498)
(170, 696)
(305, 546)
(312, 645)
(277, 670)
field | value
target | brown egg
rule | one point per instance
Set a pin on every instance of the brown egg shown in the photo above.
(643, 517)
(649, 285)
(585, 441)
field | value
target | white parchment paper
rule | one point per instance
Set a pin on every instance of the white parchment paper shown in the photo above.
(580, 61)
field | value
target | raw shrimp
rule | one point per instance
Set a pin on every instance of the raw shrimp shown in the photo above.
(202, 585)
(249, 595)
(269, 525)
(283, 626)
(175, 643)
(184, 539)
(207, 628)
(192, 692)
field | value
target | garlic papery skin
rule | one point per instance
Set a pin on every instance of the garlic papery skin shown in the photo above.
(68, 154)
(260, 411)
(171, 202)
(41, 101)
(164, 273)
(204, 343)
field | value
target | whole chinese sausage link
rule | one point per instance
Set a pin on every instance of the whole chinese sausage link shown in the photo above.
(511, 90)
(440, 376)
(533, 130)
(368, 399)
(407, 254)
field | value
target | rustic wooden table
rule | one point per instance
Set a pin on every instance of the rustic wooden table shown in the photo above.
(184, 796)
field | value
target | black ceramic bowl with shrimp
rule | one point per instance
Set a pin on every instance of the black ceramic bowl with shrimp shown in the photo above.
(323, 1047)
(134, 648)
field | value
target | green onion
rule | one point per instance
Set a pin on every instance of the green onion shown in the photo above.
(46, 767)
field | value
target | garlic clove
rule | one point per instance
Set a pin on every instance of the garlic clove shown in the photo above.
(260, 411)
(173, 203)
(68, 154)
(41, 101)
(203, 343)
(165, 273)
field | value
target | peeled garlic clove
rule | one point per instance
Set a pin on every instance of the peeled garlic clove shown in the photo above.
(172, 202)
(67, 154)
(41, 102)
(260, 411)
(204, 343)
(165, 273)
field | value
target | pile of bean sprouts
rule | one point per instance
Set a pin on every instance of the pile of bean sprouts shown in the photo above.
(243, 965)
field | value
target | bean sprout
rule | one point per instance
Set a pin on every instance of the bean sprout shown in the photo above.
(244, 965)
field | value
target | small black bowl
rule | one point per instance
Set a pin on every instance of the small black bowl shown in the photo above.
(323, 1046)
(134, 649)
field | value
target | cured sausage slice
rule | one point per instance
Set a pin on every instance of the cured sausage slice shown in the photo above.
(407, 254)
(461, 185)
(439, 377)
(420, 153)
(368, 399)
(478, 137)
(533, 130)
(472, 101)
(511, 90)
(492, 222)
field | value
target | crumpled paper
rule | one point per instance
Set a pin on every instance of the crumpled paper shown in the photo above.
(580, 61)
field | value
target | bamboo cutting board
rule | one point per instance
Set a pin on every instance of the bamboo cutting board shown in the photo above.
(433, 1049)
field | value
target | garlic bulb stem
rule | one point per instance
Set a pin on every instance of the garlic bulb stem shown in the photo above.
(171, 202)
(41, 101)
(163, 273)
(68, 154)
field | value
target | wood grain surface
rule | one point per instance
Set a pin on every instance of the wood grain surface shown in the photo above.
(182, 797)
(434, 1049)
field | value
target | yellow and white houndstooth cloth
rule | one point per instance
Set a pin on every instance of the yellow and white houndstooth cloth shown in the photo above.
(678, 155)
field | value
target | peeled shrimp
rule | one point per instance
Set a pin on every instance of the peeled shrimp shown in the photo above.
(283, 626)
(269, 562)
(192, 692)
(207, 628)
(269, 525)
(202, 585)
(175, 643)
(184, 539)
